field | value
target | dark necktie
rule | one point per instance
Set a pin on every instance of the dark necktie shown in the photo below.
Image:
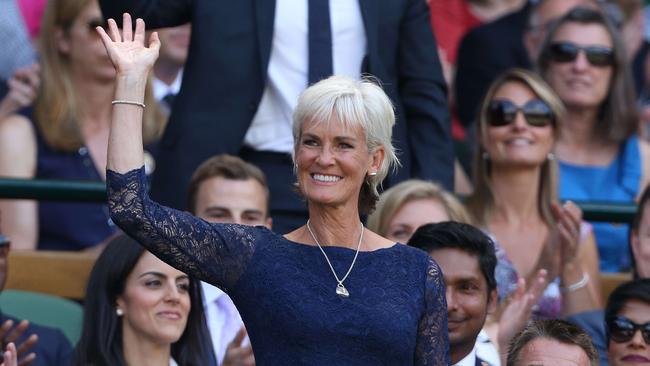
(169, 100)
(320, 41)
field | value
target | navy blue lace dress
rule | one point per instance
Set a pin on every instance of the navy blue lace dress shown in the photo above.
(395, 315)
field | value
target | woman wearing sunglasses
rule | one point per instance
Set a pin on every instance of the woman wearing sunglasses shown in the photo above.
(627, 319)
(67, 136)
(600, 157)
(515, 198)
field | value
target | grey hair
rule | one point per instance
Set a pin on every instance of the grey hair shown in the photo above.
(353, 103)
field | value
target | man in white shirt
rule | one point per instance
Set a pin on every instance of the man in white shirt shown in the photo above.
(225, 189)
(468, 261)
(168, 69)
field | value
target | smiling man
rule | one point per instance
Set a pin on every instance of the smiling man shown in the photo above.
(467, 259)
(225, 189)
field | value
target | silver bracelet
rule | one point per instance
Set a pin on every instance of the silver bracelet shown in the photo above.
(578, 285)
(120, 101)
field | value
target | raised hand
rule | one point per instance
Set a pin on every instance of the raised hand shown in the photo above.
(519, 308)
(10, 334)
(127, 51)
(237, 354)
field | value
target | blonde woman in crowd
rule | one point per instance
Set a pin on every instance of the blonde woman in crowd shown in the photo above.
(411, 204)
(515, 198)
(67, 135)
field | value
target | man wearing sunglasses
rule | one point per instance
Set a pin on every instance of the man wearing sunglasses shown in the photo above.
(627, 317)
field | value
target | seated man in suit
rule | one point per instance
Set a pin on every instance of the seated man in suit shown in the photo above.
(552, 342)
(225, 189)
(37, 345)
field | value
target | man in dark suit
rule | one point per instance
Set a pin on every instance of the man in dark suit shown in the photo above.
(484, 53)
(37, 345)
(248, 61)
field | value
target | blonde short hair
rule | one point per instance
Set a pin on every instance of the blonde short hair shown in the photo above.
(354, 103)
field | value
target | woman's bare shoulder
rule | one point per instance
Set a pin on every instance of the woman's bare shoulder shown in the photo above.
(17, 147)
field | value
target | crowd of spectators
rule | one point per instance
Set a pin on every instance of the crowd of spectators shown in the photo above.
(545, 103)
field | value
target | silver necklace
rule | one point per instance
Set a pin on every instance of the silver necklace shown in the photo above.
(340, 289)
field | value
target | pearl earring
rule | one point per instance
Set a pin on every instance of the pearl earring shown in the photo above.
(550, 156)
(119, 312)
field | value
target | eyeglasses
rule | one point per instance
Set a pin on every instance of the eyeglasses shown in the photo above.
(600, 56)
(622, 329)
(502, 112)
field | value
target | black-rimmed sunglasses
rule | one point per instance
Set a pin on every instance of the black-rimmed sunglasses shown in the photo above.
(600, 56)
(502, 112)
(622, 329)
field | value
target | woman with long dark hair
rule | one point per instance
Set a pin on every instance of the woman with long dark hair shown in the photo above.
(139, 310)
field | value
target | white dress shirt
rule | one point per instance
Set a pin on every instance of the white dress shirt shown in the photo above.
(469, 360)
(161, 89)
(271, 128)
(223, 319)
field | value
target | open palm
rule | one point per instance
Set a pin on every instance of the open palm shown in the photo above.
(127, 50)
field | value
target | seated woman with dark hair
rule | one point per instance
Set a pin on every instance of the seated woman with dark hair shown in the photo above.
(141, 311)
(627, 318)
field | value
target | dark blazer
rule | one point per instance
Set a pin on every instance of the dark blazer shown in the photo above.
(226, 73)
(52, 348)
(484, 53)
(593, 322)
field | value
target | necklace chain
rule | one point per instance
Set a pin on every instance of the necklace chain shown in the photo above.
(340, 282)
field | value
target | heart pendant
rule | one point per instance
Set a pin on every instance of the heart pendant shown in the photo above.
(342, 291)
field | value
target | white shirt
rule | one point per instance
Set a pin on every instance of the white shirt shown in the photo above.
(161, 89)
(223, 319)
(485, 349)
(469, 360)
(271, 128)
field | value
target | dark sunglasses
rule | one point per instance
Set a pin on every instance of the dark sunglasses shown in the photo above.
(567, 52)
(622, 329)
(502, 112)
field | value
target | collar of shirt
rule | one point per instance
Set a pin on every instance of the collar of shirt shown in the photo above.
(211, 293)
(469, 360)
(161, 89)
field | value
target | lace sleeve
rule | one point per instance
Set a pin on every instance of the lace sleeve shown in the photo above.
(216, 253)
(432, 347)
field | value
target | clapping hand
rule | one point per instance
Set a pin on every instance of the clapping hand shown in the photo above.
(563, 241)
(127, 51)
(23, 88)
(237, 354)
(10, 356)
(519, 307)
(10, 334)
